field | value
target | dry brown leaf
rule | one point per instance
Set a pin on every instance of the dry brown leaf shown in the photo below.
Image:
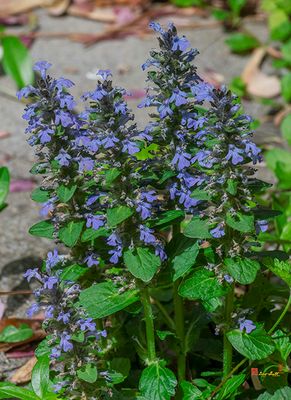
(12, 7)
(4, 134)
(262, 85)
(96, 14)
(253, 65)
(23, 374)
(58, 7)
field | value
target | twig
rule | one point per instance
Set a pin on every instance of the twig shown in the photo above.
(16, 292)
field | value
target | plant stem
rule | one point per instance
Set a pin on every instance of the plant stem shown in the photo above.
(282, 315)
(180, 331)
(149, 321)
(167, 317)
(227, 347)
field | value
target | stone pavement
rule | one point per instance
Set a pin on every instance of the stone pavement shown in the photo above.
(18, 250)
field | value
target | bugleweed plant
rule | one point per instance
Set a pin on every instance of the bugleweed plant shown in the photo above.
(166, 290)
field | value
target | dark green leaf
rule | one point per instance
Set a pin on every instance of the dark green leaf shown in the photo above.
(197, 229)
(11, 391)
(281, 269)
(241, 42)
(88, 373)
(164, 334)
(286, 87)
(121, 366)
(255, 345)
(240, 222)
(169, 217)
(91, 234)
(40, 196)
(282, 343)
(236, 5)
(65, 193)
(17, 61)
(183, 261)
(39, 168)
(286, 128)
(105, 299)
(280, 394)
(231, 386)
(117, 215)
(40, 377)
(4, 184)
(70, 233)
(157, 383)
(73, 273)
(257, 186)
(265, 213)
(231, 186)
(190, 392)
(111, 175)
(199, 194)
(243, 270)
(11, 334)
(202, 284)
(42, 229)
(142, 263)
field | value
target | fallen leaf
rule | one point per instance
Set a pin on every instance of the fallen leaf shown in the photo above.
(262, 85)
(124, 15)
(58, 7)
(4, 134)
(23, 374)
(12, 7)
(96, 14)
(253, 64)
(20, 353)
(21, 185)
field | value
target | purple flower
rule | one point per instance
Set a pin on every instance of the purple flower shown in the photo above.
(146, 235)
(47, 207)
(218, 231)
(50, 282)
(196, 123)
(114, 240)
(64, 118)
(64, 317)
(165, 109)
(180, 44)
(115, 255)
(144, 209)
(33, 309)
(85, 164)
(32, 273)
(65, 343)
(55, 352)
(228, 278)
(109, 141)
(42, 67)
(182, 159)
(95, 221)
(63, 158)
(59, 385)
(52, 259)
(204, 158)
(252, 151)
(178, 97)
(149, 196)
(92, 199)
(63, 83)
(261, 226)
(246, 324)
(104, 73)
(202, 92)
(156, 27)
(92, 259)
(49, 312)
(146, 102)
(159, 251)
(120, 107)
(25, 92)
(45, 135)
(98, 93)
(234, 154)
(87, 324)
(130, 147)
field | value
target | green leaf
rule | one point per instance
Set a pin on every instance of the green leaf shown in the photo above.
(169, 217)
(17, 61)
(183, 261)
(241, 42)
(255, 345)
(157, 383)
(190, 392)
(142, 263)
(105, 299)
(197, 229)
(145, 153)
(70, 233)
(91, 234)
(279, 25)
(257, 186)
(88, 373)
(199, 194)
(122, 367)
(11, 391)
(40, 196)
(40, 377)
(230, 386)
(12, 334)
(281, 269)
(117, 215)
(73, 273)
(286, 51)
(42, 229)
(282, 343)
(243, 270)
(231, 186)
(286, 87)
(164, 334)
(238, 86)
(111, 175)
(65, 193)
(4, 184)
(202, 284)
(283, 393)
(286, 128)
(240, 222)
(236, 5)
(274, 156)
